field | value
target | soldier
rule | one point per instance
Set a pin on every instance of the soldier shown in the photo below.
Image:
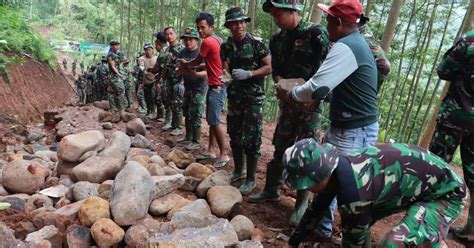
(162, 102)
(148, 61)
(455, 123)
(297, 52)
(65, 63)
(138, 81)
(82, 66)
(116, 88)
(195, 88)
(74, 63)
(249, 61)
(91, 86)
(124, 70)
(174, 94)
(373, 183)
(102, 77)
(81, 89)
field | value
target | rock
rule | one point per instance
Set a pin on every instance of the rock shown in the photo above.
(170, 142)
(57, 191)
(197, 170)
(92, 209)
(106, 233)
(126, 117)
(63, 201)
(190, 183)
(50, 233)
(3, 191)
(218, 178)
(138, 234)
(223, 199)
(78, 237)
(132, 193)
(220, 234)
(38, 148)
(84, 190)
(7, 237)
(167, 184)
(17, 201)
(157, 159)
(138, 151)
(290, 83)
(65, 168)
(107, 125)
(23, 176)
(164, 204)
(136, 126)
(250, 244)
(243, 226)
(97, 169)
(51, 182)
(102, 104)
(180, 158)
(257, 235)
(19, 130)
(34, 135)
(177, 207)
(38, 201)
(142, 159)
(105, 117)
(117, 146)
(42, 243)
(192, 214)
(60, 218)
(106, 186)
(66, 180)
(87, 155)
(141, 142)
(72, 147)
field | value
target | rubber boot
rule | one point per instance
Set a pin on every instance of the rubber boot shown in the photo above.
(239, 167)
(249, 183)
(167, 120)
(161, 113)
(302, 198)
(467, 232)
(195, 143)
(273, 181)
(189, 135)
(175, 127)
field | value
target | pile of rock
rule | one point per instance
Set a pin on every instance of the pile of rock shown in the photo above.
(104, 192)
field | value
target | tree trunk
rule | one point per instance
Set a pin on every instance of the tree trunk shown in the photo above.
(467, 24)
(235, 2)
(316, 12)
(391, 24)
(121, 20)
(204, 5)
(162, 15)
(106, 27)
(31, 9)
(252, 16)
(368, 8)
(129, 38)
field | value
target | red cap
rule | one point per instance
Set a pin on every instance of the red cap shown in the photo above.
(348, 10)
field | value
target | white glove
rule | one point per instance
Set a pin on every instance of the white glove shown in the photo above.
(239, 74)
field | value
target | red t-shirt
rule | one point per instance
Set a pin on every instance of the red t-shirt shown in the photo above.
(210, 51)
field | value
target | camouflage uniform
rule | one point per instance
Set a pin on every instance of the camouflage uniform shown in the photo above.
(81, 89)
(138, 79)
(295, 54)
(65, 64)
(74, 68)
(245, 106)
(172, 84)
(383, 65)
(116, 88)
(376, 182)
(456, 115)
(127, 82)
(102, 78)
(161, 98)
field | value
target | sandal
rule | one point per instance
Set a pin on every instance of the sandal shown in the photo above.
(221, 163)
(204, 156)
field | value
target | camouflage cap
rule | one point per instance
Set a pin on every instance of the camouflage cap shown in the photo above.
(114, 42)
(189, 33)
(307, 163)
(147, 45)
(282, 4)
(121, 54)
(235, 14)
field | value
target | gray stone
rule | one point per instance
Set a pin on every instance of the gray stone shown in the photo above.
(78, 237)
(250, 244)
(180, 158)
(21, 176)
(38, 201)
(138, 234)
(223, 199)
(107, 126)
(167, 184)
(34, 135)
(164, 204)
(140, 141)
(50, 233)
(65, 168)
(218, 235)
(17, 201)
(190, 183)
(47, 155)
(117, 146)
(98, 169)
(136, 126)
(126, 117)
(193, 215)
(7, 237)
(132, 193)
(84, 190)
(72, 147)
(38, 147)
(243, 226)
(218, 178)
(157, 159)
(102, 104)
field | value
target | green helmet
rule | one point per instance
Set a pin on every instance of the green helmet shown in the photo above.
(282, 4)
(307, 163)
(121, 54)
(189, 33)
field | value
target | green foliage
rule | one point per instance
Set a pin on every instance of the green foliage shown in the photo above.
(19, 37)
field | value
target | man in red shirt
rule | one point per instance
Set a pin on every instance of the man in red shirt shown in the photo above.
(210, 54)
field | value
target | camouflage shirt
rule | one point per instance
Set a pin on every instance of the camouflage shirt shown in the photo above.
(247, 55)
(102, 73)
(298, 53)
(374, 182)
(137, 74)
(112, 56)
(172, 62)
(457, 66)
(383, 65)
(161, 60)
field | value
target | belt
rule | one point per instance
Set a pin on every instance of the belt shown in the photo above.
(215, 86)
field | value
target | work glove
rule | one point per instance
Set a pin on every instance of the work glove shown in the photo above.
(239, 74)
(181, 88)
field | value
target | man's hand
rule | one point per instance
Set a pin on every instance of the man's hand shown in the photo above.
(239, 74)
(157, 87)
(280, 93)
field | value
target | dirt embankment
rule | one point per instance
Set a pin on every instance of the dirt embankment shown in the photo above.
(33, 87)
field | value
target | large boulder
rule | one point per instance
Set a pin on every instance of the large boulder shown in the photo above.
(167, 184)
(132, 192)
(106, 233)
(136, 126)
(223, 199)
(180, 158)
(97, 169)
(65, 168)
(141, 141)
(73, 147)
(117, 146)
(221, 234)
(218, 178)
(164, 204)
(92, 209)
(198, 170)
(21, 176)
(243, 226)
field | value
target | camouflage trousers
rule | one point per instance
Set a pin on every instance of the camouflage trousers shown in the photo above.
(150, 92)
(164, 94)
(140, 95)
(115, 95)
(81, 92)
(193, 106)
(175, 99)
(244, 125)
(292, 126)
(426, 223)
(128, 93)
(455, 127)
